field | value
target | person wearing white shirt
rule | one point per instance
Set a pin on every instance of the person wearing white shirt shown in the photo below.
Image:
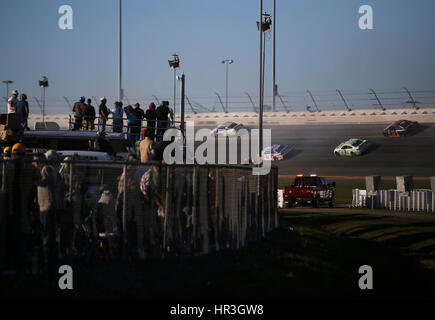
(13, 102)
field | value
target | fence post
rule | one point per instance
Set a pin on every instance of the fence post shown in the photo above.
(124, 212)
(165, 222)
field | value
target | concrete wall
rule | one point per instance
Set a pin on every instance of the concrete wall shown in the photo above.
(423, 115)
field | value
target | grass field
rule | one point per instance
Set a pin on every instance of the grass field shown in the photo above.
(343, 189)
(315, 254)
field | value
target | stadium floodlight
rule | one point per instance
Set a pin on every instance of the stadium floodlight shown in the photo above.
(43, 84)
(266, 23)
(174, 64)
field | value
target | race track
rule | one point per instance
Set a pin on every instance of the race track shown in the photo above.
(314, 144)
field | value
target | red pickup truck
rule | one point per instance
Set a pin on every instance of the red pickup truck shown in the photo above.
(310, 189)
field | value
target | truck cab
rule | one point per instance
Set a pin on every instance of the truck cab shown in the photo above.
(309, 189)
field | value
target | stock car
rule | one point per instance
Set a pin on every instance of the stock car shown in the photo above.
(276, 152)
(401, 128)
(352, 147)
(229, 129)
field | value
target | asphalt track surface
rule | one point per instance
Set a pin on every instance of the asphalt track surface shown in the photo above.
(313, 147)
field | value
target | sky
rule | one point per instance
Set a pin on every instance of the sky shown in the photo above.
(319, 46)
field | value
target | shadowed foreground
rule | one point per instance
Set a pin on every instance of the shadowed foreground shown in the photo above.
(315, 254)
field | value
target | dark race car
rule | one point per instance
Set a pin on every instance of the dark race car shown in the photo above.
(401, 128)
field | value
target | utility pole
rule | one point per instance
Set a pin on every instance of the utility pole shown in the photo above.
(274, 88)
(7, 83)
(182, 78)
(226, 62)
(120, 91)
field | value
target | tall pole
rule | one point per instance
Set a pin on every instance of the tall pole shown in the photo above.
(377, 99)
(182, 114)
(226, 87)
(43, 105)
(273, 57)
(119, 54)
(175, 94)
(7, 82)
(260, 106)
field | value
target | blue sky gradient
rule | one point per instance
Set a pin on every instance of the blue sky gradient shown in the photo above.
(319, 47)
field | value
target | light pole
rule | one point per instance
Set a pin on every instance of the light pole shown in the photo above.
(263, 26)
(226, 62)
(7, 83)
(43, 84)
(120, 91)
(174, 64)
(274, 88)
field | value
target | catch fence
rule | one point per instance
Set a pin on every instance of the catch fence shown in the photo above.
(128, 209)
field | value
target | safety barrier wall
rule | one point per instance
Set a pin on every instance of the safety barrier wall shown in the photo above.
(424, 115)
(123, 209)
(415, 200)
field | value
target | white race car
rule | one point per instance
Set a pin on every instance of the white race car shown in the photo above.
(229, 129)
(276, 152)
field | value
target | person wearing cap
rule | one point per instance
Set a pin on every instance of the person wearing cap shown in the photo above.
(89, 116)
(13, 102)
(78, 109)
(103, 112)
(23, 110)
(117, 115)
(151, 117)
(20, 179)
(7, 151)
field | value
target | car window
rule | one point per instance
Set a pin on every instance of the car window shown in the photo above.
(356, 143)
(232, 125)
(305, 182)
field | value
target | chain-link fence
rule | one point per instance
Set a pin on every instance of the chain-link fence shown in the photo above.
(127, 210)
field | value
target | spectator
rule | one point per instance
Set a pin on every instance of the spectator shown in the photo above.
(46, 189)
(117, 115)
(153, 205)
(162, 113)
(23, 110)
(151, 117)
(146, 146)
(89, 116)
(103, 112)
(131, 122)
(133, 205)
(78, 109)
(102, 144)
(140, 114)
(13, 102)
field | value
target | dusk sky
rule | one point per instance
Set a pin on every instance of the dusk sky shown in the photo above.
(319, 47)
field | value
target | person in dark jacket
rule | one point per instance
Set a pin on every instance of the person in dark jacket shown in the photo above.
(23, 110)
(89, 116)
(162, 113)
(78, 109)
(140, 114)
(103, 112)
(151, 117)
